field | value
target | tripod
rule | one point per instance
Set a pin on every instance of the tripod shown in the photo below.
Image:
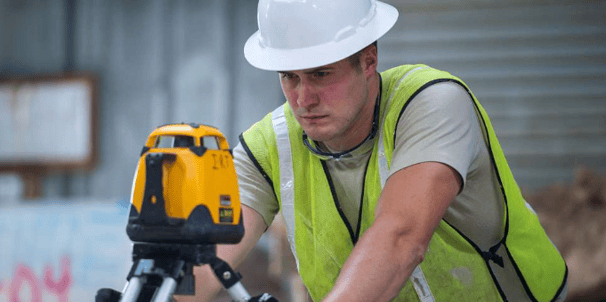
(161, 270)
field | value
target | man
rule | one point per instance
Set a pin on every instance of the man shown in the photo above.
(393, 185)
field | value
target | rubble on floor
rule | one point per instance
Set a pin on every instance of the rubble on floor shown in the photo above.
(574, 217)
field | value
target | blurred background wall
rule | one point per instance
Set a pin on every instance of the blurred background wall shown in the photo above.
(539, 69)
(157, 62)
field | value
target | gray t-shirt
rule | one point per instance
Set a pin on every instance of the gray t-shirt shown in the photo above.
(439, 125)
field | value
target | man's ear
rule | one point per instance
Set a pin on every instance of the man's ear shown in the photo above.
(369, 60)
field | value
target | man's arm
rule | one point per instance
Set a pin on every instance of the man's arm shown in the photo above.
(207, 285)
(411, 206)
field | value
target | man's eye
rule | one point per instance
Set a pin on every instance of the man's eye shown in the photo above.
(320, 74)
(288, 76)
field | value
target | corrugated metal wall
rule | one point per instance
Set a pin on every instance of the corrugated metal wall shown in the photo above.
(158, 62)
(538, 68)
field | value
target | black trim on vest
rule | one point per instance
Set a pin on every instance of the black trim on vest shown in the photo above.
(337, 204)
(561, 286)
(517, 269)
(505, 201)
(256, 163)
(491, 254)
(527, 289)
(486, 255)
(362, 200)
(479, 251)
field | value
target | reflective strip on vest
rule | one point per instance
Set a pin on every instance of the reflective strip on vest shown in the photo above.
(417, 277)
(287, 188)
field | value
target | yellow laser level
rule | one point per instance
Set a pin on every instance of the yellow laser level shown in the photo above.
(184, 201)
(185, 188)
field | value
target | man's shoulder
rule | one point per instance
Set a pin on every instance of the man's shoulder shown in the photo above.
(404, 82)
(397, 72)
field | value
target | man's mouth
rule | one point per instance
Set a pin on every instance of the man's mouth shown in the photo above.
(313, 117)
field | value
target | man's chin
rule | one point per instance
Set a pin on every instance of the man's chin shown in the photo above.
(318, 136)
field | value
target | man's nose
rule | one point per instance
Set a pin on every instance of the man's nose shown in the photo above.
(307, 95)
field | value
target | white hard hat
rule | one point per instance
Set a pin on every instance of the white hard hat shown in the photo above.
(302, 34)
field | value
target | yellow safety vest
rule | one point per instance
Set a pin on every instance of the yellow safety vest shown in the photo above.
(321, 241)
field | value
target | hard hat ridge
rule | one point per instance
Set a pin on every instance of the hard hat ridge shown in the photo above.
(301, 34)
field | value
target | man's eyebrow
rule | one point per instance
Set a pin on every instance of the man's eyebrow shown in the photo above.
(311, 71)
(323, 68)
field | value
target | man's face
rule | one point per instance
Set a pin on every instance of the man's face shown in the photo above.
(331, 102)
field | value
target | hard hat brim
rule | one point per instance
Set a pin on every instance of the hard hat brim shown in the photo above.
(277, 59)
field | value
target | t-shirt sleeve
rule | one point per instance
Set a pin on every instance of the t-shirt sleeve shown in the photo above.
(255, 191)
(438, 125)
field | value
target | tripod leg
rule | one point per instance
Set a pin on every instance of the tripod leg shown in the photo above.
(136, 279)
(229, 279)
(166, 290)
(132, 290)
(238, 292)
